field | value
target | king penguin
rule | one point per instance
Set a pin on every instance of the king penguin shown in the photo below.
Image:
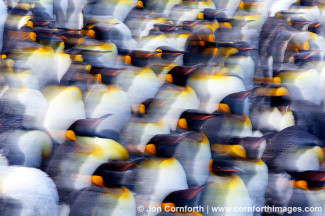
(224, 188)
(107, 193)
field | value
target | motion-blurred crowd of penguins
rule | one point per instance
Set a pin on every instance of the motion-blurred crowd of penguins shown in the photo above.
(108, 105)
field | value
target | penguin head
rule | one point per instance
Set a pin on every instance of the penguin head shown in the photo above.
(228, 49)
(311, 180)
(181, 198)
(168, 53)
(193, 120)
(94, 52)
(307, 56)
(164, 145)
(139, 58)
(37, 22)
(71, 37)
(317, 28)
(179, 75)
(211, 14)
(222, 165)
(307, 3)
(299, 23)
(143, 107)
(105, 75)
(275, 96)
(87, 128)
(236, 103)
(48, 37)
(111, 174)
(254, 146)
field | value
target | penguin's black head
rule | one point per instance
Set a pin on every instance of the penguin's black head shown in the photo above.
(307, 56)
(164, 145)
(254, 146)
(179, 75)
(223, 165)
(106, 75)
(275, 96)
(317, 28)
(308, 3)
(182, 198)
(140, 58)
(299, 23)
(87, 128)
(143, 107)
(188, 25)
(168, 53)
(111, 174)
(213, 14)
(236, 103)
(309, 180)
(193, 120)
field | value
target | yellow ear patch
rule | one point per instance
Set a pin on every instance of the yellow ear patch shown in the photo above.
(99, 78)
(224, 107)
(182, 123)
(241, 5)
(200, 16)
(169, 207)
(30, 24)
(71, 135)
(91, 33)
(140, 4)
(169, 78)
(97, 180)
(151, 149)
(301, 184)
(142, 109)
(127, 59)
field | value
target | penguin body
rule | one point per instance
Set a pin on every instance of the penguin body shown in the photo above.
(139, 83)
(210, 87)
(44, 58)
(34, 102)
(157, 178)
(28, 148)
(170, 102)
(270, 111)
(68, 14)
(65, 106)
(35, 193)
(101, 100)
(139, 131)
(118, 9)
(305, 81)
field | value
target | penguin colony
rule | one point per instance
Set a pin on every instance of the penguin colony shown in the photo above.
(108, 105)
